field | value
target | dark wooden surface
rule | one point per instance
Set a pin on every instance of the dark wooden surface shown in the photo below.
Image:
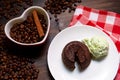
(64, 20)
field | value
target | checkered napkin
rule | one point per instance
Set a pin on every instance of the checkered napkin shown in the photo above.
(108, 22)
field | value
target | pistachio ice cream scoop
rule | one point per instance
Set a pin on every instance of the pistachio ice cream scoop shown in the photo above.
(98, 46)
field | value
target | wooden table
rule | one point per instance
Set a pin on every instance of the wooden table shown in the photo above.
(64, 20)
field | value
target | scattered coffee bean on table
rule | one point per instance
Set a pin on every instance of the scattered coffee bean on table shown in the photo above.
(11, 8)
(58, 6)
(15, 67)
(26, 31)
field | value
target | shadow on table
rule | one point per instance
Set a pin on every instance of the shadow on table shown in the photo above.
(25, 51)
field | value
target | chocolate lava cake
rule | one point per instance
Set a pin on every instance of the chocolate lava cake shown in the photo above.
(76, 51)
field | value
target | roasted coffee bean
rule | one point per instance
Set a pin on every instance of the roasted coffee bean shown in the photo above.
(17, 68)
(11, 8)
(26, 32)
(14, 67)
(57, 7)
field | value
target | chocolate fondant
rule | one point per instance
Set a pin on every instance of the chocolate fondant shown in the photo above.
(76, 51)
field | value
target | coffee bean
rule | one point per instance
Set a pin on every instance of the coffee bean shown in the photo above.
(15, 67)
(26, 31)
(59, 6)
(11, 8)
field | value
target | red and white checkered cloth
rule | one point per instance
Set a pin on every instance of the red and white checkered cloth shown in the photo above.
(108, 22)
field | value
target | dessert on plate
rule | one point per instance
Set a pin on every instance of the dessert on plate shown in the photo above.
(98, 46)
(76, 51)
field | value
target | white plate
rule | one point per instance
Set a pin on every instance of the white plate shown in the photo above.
(105, 69)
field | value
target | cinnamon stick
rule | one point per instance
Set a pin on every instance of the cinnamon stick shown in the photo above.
(38, 24)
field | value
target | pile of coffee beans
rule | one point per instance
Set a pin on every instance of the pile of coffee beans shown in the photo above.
(16, 68)
(11, 8)
(2, 38)
(26, 31)
(13, 67)
(58, 6)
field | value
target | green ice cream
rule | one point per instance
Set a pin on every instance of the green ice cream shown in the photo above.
(98, 46)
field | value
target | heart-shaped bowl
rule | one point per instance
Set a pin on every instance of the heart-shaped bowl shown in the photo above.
(22, 18)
